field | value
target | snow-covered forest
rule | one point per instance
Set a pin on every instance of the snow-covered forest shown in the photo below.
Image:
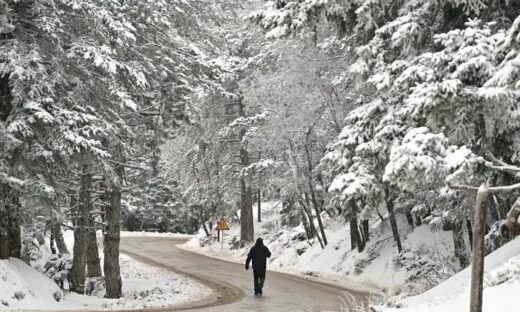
(352, 135)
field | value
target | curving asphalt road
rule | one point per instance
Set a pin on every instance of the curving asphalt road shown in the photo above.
(232, 285)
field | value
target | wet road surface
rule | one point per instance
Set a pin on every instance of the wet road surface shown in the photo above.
(232, 285)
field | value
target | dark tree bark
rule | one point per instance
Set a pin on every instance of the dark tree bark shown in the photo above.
(10, 230)
(305, 222)
(315, 203)
(418, 220)
(208, 234)
(290, 215)
(4, 211)
(459, 244)
(58, 237)
(393, 221)
(5, 190)
(470, 232)
(74, 207)
(4, 247)
(15, 233)
(247, 231)
(318, 217)
(246, 214)
(79, 261)
(51, 243)
(354, 234)
(259, 203)
(356, 237)
(112, 238)
(93, 261)
(409, 218)
(366, 230)
(307, 210)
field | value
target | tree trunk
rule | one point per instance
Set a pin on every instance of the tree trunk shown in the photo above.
(51, 242)
(259, 203)
(315, 203)
(459, 244)
(4, 211)
(409, 218)
(356, 239)
(354, 234)
(58, 237)
(15, 232)
(73, 207)
(305, 222)
(393, 223)
(246, 214)
(10, 230)
(93, 261)
(111, 240)
(208, 234)
(318, 217)
(5, 190)
(247, 231)
(366, 230)
(79, 260)
(311, 221)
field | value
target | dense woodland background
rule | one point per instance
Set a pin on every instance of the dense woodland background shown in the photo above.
(162, 115)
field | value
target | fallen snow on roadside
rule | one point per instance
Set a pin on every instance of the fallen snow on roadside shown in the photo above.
(144, 286)
(501, 286)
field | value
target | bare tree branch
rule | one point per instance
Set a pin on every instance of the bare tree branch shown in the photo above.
(127, 165)
(504, 189)
(492, 190)
(462, 187)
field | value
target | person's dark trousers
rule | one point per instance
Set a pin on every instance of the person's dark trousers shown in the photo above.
(259, 278)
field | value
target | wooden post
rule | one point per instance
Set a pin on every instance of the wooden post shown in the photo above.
(477, 266)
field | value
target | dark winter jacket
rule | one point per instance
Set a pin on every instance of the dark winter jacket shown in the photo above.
(258, 254)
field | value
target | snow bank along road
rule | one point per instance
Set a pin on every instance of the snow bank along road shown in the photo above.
(232, 285)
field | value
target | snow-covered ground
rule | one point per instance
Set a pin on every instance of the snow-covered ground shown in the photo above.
(501, 282)
(376, 269)
(427, 259)
(144, 286)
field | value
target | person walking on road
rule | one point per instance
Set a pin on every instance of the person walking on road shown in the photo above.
(258, 254)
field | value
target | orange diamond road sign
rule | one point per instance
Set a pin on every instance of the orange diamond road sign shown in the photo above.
(222, 225)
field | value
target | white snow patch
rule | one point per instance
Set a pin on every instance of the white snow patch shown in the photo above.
(144, 286)
(501, 282)
(22, 286)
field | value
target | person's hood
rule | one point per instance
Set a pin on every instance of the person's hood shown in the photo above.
(259, 242)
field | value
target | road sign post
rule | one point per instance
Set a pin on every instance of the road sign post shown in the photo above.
(221, 227)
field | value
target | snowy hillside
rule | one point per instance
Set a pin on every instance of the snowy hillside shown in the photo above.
(427, 258)
(23, 287)
(501, 282)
